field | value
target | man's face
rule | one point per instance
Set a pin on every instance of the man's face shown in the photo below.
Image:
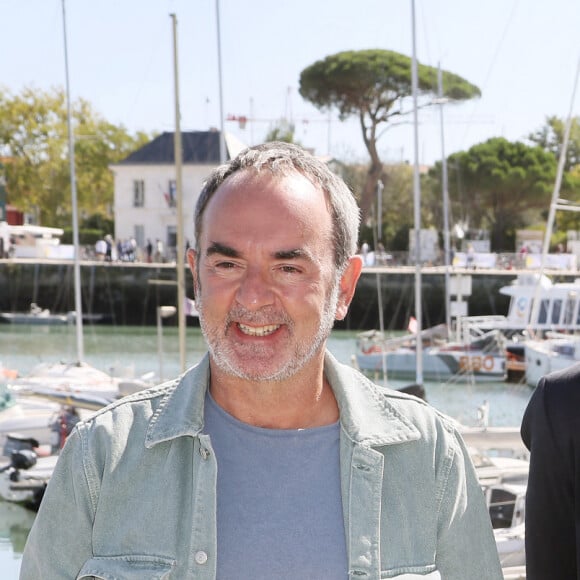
(266, 284)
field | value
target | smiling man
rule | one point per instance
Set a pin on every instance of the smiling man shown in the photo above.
(269, 459)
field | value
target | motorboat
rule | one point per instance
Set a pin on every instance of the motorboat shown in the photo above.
(476, 356)
(495, 441)
(555, 352)
(25, 474)
(36, 315)
(536, 304)
(28, 416)
(31, 404)
(492, 347)
(44, 316)
(504, 483)
(78, 378)
(511, 548)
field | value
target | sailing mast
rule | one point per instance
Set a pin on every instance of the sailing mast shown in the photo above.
(221, 92)
(445, 184)
(180, 258)
(75, 219)
(417, 207)
(554, 205)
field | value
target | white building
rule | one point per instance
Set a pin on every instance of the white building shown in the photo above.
(145, 192)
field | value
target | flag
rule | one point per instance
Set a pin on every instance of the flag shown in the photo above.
(412, 325)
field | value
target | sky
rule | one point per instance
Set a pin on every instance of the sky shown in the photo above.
(522, 54)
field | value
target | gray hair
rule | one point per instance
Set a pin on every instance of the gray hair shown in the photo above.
(282, 159)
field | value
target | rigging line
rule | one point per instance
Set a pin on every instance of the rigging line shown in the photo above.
(424, 20)
(491, 65)
(146, 76)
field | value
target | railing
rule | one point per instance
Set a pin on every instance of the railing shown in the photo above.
(478, 261)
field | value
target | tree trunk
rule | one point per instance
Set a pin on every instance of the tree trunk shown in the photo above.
(369, 191)
(374, 173)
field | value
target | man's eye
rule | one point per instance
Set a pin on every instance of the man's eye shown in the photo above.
(225, 265)
(289, 269)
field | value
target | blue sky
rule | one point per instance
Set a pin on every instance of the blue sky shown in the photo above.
(523, 55)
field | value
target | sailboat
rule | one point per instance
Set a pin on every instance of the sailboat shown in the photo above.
(556, 350)
(478, 355)
(71, 383)
(472, 354)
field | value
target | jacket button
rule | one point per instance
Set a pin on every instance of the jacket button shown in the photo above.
(201, 557)
(203, 452)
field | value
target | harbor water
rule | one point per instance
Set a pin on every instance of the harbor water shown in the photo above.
(136, 351)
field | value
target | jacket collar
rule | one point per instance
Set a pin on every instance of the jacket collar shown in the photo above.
(367, 413)
(180, 410)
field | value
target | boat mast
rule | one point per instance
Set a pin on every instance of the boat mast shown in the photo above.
(180, 254)
(73, 188)
(221, 93)
(445, 184)
(554, 203)
(417, 206)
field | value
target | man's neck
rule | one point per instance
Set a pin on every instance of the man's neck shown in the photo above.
(300, 402)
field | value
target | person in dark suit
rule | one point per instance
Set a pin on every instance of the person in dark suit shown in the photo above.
(551, 431)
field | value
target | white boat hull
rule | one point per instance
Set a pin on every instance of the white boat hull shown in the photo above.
(549, 355)
(30, 480)
(437, 364)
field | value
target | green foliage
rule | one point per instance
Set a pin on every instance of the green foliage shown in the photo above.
(87, 236)
(397, 205)
(34, 131)
(282, 131)
(376, 86)
(551, 137)
(373, 82)
(99, 222)
(498, 185)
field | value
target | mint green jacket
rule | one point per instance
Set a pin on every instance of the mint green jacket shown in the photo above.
(134, 492)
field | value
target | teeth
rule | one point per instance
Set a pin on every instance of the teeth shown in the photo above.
(258, 330)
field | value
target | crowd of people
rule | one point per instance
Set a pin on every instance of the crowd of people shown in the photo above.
(127, 250)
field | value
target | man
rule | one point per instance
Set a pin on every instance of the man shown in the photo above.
(268, 460)
(551, 431)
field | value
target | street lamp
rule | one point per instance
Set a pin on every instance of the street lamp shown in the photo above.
(162, 312)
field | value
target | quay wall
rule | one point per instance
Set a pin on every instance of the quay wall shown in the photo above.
(129, 293)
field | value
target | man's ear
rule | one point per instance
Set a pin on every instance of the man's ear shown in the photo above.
(348, 282)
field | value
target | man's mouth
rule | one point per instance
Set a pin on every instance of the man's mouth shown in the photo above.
(258, 330)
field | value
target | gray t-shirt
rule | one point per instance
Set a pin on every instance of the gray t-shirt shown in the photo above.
(279, 508)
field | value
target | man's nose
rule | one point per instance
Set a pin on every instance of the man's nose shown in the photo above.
(255, 289)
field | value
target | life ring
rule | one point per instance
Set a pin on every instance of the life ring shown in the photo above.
(374, 349)
(488, 362)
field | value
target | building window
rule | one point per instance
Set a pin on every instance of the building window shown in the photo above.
(139, 235)
(138, 193)
(171, 195)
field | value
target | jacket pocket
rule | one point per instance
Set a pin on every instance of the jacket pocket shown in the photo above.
(127, 568)
(429, 575)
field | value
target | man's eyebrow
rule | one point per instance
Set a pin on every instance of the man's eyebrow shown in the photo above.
(229, 252)
(291, 254)
(217, 248)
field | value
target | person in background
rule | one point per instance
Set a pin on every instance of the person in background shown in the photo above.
(158, 250)
(149, 251)
(470, 256)
(101, 250)
(364, 250)
(268, 459)
(551, 431)
(109, 248)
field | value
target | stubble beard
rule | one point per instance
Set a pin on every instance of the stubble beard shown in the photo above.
(223, 355)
